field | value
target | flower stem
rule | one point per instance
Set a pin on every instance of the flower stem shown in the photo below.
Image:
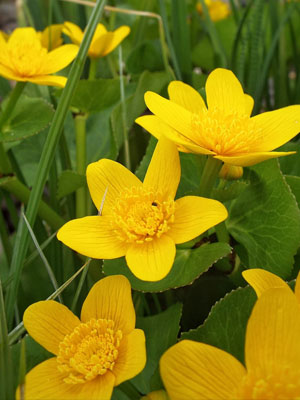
(209, 176)
(222, 233)
(5, 164)
(93, 68)
(80, 128)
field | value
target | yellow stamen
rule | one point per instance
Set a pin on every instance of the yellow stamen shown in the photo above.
(225, 134)
(90, 350)
(140, 215)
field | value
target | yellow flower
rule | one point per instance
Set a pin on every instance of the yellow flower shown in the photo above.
(230, 172)
(141, 220)
(22, 58)
(224, 129)
(156, 395)
(195, 371)
(262, 280)
(93, 354)
(217, 9)
(103, 42)
(4, 35)
(51, 36)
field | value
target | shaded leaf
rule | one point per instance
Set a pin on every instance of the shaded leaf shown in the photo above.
(68, 182)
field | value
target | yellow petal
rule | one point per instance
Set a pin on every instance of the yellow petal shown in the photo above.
(224, 92)
(93, 237)
(262, 280)
(7, 73)
(51, 33)
(249, 102)
(171, 113)
(192, 370)
(132, 356)
(163, 174)
(278, 127)
(110, 175)
(48, 80)
(73, 31)
(98, 46)
(23, 35)
(48, 322)
(156, 395)
(273, 331)
(45, 382)
(151, 261)
(100, 30)
(248, 159)
(193, 216)
(118, 35)
(110, 298)
(59, 58)
(186, 96)
(297, 287)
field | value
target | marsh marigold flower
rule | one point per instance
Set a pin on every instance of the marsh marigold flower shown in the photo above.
(223, 129)
(156, 395)
(92, 355)
(103, 42)
(141, 220)
(50, 37)
(194, 371)
(23, 58)
(218, 9)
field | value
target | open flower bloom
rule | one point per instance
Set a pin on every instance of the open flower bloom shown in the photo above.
(23, 58)
(218, 9)
(194, 371)
(223, 129)
(93, 354)
(262, 280)
(103, 42)
(140, 220)
(50, 37)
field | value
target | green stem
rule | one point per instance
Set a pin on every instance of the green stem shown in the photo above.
(80, 128)
(222, 233)
(93, 68)
(5, 164)
(17, 188)
(209, 176)
(80, 284)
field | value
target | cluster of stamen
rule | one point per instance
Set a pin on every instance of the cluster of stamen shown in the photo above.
(225, 134)
(89, 351)
(281, 385)
(140, 215)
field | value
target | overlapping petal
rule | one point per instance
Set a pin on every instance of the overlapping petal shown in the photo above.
(100, 44)
(118, 36)
(163, 173)
(59, 58)
(110, 175)
(93, 237)
(273, 331)
(110, 298)
(186, 96)
(151, 261)
(45, 382)
(262, 280)
(20, 35)
(48, 80)
(51, 36)
(192, 370)
(131, 358)
(73, 31)
(48, 322)
(249, 159)
(195, 215)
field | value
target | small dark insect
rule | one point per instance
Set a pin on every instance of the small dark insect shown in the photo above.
(154, 204)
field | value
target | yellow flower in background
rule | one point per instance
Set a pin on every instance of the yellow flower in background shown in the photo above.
(24, 59)
(93, 354)
(223, 129)
(217, 9)
(4, 35)
(141, 220)
(103, 41)
(156, 395)
(194, 371)
(262, 280)
(51, 37)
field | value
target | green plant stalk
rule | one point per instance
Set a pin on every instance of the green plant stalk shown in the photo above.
(7, 247)
(79, 286)
(123, 108)
(47, 156)
(18, 189)
(5, 165)
(213, 34)
(209, 176)
(93, 68)
(222, 233)
(80, 129)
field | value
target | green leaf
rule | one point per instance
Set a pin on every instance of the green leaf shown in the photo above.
(231, 191)
(290, 165)
(161, 332)
(96, 95)
(265, 219)
(146, 56)
(294, 184)
(225, 327)
(189, 264)
(30, 116)
(68, 182)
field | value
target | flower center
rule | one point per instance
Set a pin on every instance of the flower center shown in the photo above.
(90, 350)
(140, 215)
(225, 134)
(283, 385)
